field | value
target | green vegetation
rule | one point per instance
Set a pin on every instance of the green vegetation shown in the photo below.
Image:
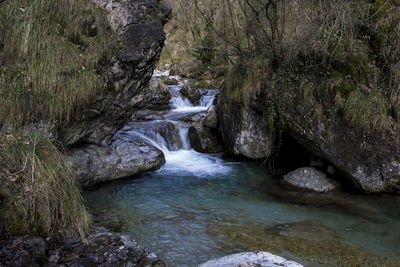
(41, 196)
(337, 57)
(50, 56)
(50, 52)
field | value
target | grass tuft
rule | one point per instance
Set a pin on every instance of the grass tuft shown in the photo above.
(49, 57)
(40, 192)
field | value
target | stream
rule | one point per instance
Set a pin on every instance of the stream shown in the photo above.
(201, 206)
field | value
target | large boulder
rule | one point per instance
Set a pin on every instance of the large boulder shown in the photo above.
(96, 164)
(369, 158)
(249, 259)
(156, 96)
(309, 179)
(139, 29)
(245, 131)
(191, 93)
(204, 140)
(211, 120)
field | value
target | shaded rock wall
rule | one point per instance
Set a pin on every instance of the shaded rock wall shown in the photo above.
(139, 26)
(369, 160)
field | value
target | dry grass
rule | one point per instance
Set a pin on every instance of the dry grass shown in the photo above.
(346, 51)
(39, 188)
(49, 56)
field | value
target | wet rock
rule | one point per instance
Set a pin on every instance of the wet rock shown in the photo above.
(191, 93)
(211, 120)
(101, 248)
(249, 259)
(171, 81)
(204, 140)
(155, 97)
(309, 179)
(154, 129)
(244, 131)
(97, 164)
(125, 74)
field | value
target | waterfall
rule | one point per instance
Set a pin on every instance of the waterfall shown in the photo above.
(184, 135)
(170, 133)
(178, 102)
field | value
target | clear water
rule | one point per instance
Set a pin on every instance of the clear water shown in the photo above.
(172, 211)
(178, 211)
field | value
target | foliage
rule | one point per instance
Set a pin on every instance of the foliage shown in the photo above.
(50, 52)
(41, 195)
(206, 51)
(346, 52)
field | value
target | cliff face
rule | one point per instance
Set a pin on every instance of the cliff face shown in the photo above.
(369, 159)
(139, 30)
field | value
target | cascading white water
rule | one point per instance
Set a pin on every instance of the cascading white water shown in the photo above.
(184, 136)
(183, 105)
(184, 159)
(178, 102)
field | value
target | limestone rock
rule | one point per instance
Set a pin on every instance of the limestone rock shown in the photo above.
(251, 259)
(97, 164)
(139, 28)
(171, 81)
(309, 179)
(204, 140)
(191, 93)
(244, 131)
(211, 120)
(155, 97)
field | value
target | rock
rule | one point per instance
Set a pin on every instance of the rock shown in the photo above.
(191, 93)
(369, 159)
(244, 132)
(204, 140)
(97, 164)
(309, 179)
(171, 81)
(307, 230)
(211, 120)
(251, 259)
(155, 97)
(139, 29)
(101, 248)
(165, 129)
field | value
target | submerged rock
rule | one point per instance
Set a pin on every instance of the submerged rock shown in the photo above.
(97, 164)
(191, 93)
(204, 140)
(309, 243)
(309, 179)
(249, 259)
